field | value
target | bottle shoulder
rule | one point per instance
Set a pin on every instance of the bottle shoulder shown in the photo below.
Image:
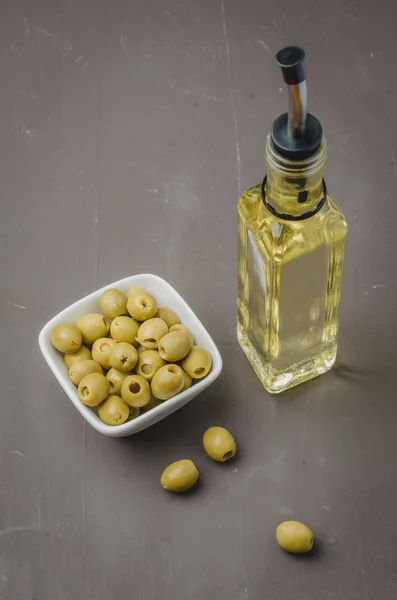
(250, 202)
(283, 239)
(334, 211)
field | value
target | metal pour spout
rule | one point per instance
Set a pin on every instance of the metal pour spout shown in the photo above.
(290, 60)
(297, 111)
(296, 135)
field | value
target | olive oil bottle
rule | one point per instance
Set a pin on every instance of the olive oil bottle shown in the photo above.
(291, 249)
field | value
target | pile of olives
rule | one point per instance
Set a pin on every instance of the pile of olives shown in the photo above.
(131, 357)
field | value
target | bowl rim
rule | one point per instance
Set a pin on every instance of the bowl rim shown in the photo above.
(145, 419)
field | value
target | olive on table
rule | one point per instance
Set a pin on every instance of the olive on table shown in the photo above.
(124, 329)
(123, 357)
(100, 351)
(66, 338)
(198, 363)
(219, 444)
(93, 326)
(113, 411)
(295, 537)
(113, 303)
(82, 354)
(93, 389)
(135, 390)
(168, 315)
(115, 379)
(149, 362)
(81, 368)
(167, 382)
(174, 346)
(141, 305)
(185, 330)
(179, 476)
(151, 332)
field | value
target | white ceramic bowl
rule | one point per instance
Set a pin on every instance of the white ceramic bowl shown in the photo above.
(165, 295)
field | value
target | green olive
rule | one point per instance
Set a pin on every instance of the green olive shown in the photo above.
(295, 537)
(82, 354)
(168, 315)
(93, 326)
(198, 363)
(219, 444)
(149, 362)
(135, 290)
(151, 332)
(141, 305)
(93, 389)
(134, 413)
(123, 357)
(153, 402)
(167, 382)
(115, 379)
(174, 346)
(66, 338)
(81, 368)
(113, 303)
(179, 476)
(135, 390)
(100, 351)
(187, 381)
(124, 329)
(189, 334)
(113, 411)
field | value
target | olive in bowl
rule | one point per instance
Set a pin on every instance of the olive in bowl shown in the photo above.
(149, 362)
(174, 346)
(115, 379)
(92, 327)
(151, 332)
(135, 391)
(113, 411)
(113, 303)
(197, 363)
(141, 305)
(93, 389)
(123, 357)
(124, 329)
(101, 350)
(167, 315)
(66, 338)
(81, 368)
(82, 354)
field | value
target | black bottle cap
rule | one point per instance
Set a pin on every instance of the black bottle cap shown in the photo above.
(295, 135)
(296, 148)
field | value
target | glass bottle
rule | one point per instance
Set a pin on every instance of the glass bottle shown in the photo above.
(291, 250)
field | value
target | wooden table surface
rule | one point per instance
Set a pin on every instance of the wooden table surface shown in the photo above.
(128, 130)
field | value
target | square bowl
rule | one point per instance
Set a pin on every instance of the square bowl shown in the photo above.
(165, 295)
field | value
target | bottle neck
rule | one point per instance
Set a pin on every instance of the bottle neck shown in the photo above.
(294, 187)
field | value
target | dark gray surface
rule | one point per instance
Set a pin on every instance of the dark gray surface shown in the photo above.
(127, 132)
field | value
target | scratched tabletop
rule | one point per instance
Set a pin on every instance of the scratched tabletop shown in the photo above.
(128, 131)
